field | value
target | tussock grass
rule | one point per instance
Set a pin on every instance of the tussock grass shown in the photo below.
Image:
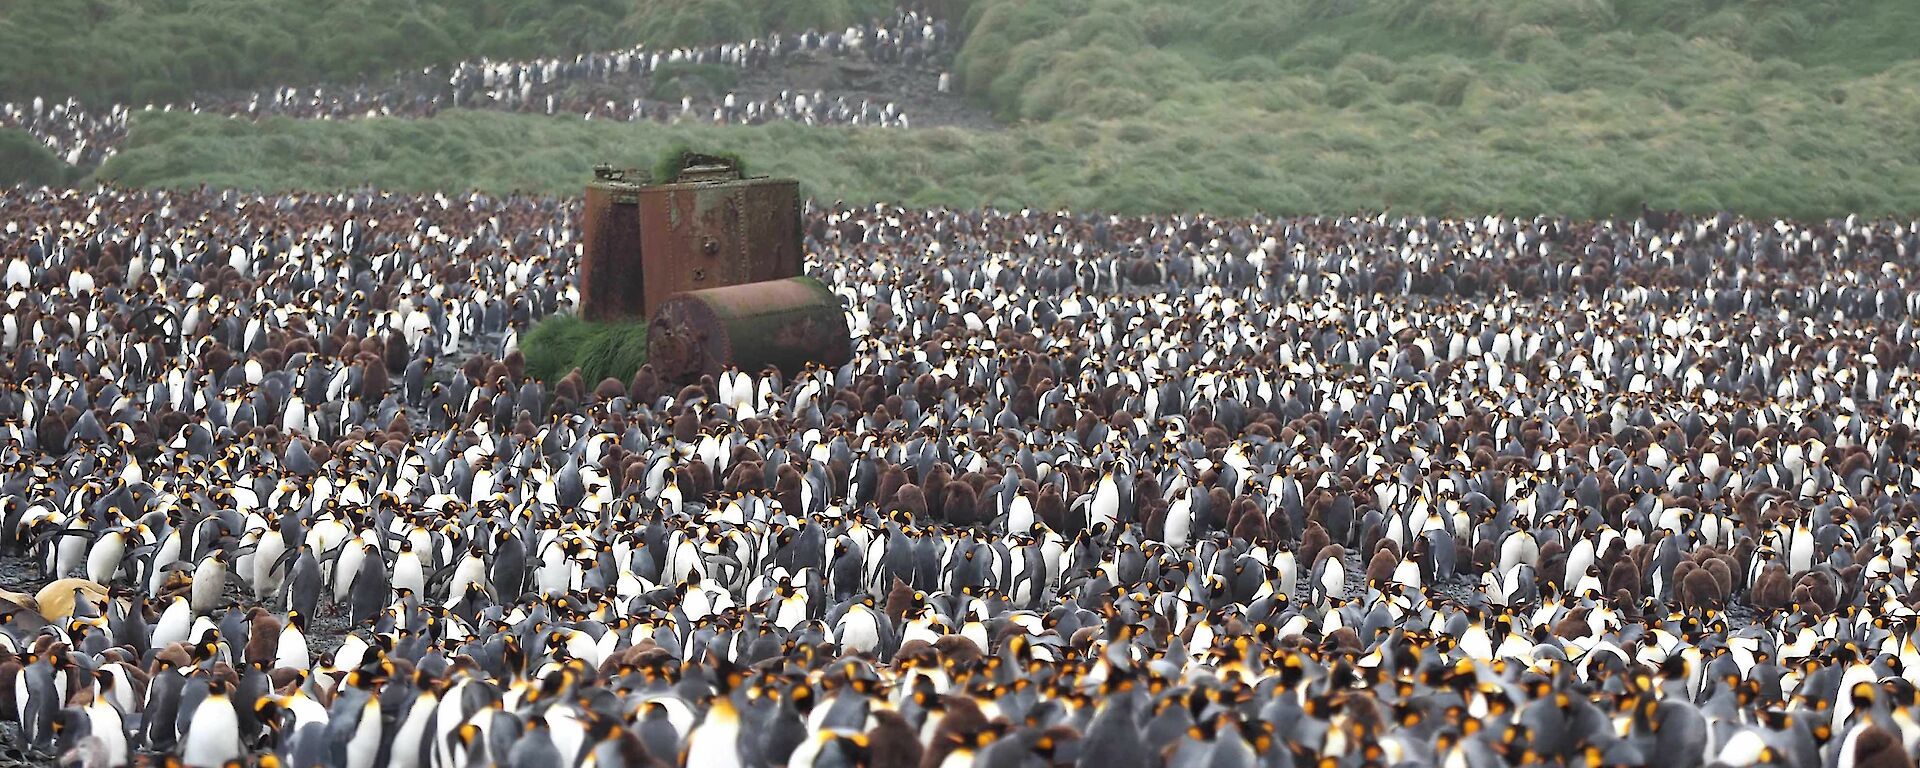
(601, 351)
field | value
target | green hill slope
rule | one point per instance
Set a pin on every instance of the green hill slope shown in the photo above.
(141, 51)
(24, 160)
(1799, 107)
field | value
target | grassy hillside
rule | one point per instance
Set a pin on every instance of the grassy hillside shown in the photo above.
(142, 51)
(24, 160)
(1577, 106)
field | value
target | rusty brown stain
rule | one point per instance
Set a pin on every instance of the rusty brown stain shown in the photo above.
(718, 231)
(611, 263)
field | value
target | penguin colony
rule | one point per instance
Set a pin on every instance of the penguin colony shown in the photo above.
(1094, 491)
(601, 85)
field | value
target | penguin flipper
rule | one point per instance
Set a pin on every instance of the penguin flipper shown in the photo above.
(42, 539)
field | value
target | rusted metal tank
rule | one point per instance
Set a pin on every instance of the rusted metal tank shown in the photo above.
(713, 228)
(612, 267)
(783, 323)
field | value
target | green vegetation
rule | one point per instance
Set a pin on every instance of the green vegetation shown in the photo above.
(143, 51)
(601, 351)
(1586, 107)
(24, 160)
(672, 162)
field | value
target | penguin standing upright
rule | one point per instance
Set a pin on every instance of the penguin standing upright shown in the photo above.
(212, 737)
(716, 740)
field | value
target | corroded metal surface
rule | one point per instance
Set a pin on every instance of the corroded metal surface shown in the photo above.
(612, 283)
(712, 228)
(783, 323)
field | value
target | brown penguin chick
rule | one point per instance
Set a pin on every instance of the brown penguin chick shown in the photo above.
(900, 599)
(685, 427)
(1624, 576)
(516, 364)
(1743, 553)
(1025, 405)
(608, 389)
(374, 383)
(984, 507)
(569, 386)
(1722, 574)
(745, 453)
(1372, 536)
(263, 636)
(1311, 543)
(394, 351)
(611, 462)
(878, 418)
(633, 472)
(1344, 640)
(786, 488)
(960, 505)
(525, 427)
(892, 743)
(178, 655)
(1219, 504)
(224, 672)
(10, 667)
(320, 452)
(52, 430)
(911, 500)
(1574, 625)
(695, 480)
(1051, 509)
(644, 389)
(889, 484)
(1553, 565)
(1771, 591)
(1380, 568)
(284, 679)
(399, 425)
(1698, 590)
(742, 477)
(1250, 528)
(1280, 526)
(1814, 590)
(217, 358)
(959, 651)
(1875, 747)
(934, 488)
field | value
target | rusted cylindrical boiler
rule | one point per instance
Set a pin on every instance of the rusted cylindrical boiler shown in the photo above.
(784, 323)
